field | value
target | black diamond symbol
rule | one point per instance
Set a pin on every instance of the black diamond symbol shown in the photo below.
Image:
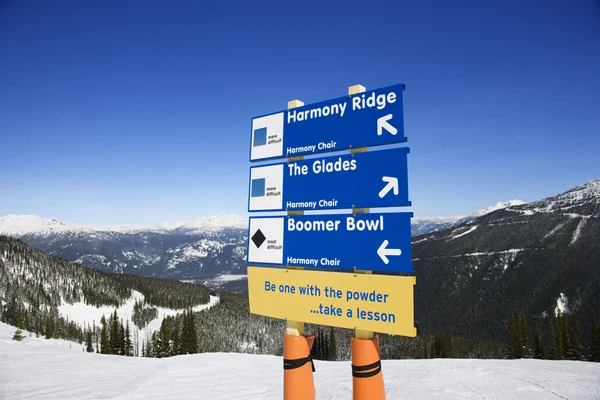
(258, 238)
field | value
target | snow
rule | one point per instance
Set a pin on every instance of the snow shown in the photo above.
(463, 233)
(562, 305)
(577, 231)
(498, 206)
(448, 219)
(583, 192)
(226, 278)
(553, 231)
(230, 278)
(19, 225)
(587, 193)
(214, 223)
(512, 252)
(190, 252)
(49, 369)
(85, 314)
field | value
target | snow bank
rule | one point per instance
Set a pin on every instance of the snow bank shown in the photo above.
(39, 368)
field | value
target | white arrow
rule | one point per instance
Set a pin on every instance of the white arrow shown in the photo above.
(392, 183)
(383, 252)
(382, 123)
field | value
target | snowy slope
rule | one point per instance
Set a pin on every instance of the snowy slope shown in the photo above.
(47, 369)
(85, 314)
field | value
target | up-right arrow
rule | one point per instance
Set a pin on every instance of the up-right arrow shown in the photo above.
(383, 252)
(392, 183)
(382, 123)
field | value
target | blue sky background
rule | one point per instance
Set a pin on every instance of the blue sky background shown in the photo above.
(139, 111)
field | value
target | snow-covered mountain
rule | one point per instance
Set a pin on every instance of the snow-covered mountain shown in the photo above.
(541, 256)
(20, 225)
(199, 249)
(425, 225)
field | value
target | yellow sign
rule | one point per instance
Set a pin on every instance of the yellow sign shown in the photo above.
(376, 303)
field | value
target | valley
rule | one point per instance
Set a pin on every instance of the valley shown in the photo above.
(539, 258)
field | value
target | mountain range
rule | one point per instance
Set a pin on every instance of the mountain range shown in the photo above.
(540, 258)
(210, 250)
(198, 249)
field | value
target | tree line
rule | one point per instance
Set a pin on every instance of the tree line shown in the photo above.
(33, 285)
(561, 341)
(177, 335)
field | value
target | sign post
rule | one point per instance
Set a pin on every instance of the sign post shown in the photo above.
(339, 270)
(367, 378)
(298, 368)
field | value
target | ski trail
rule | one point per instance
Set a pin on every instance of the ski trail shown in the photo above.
(578, 230)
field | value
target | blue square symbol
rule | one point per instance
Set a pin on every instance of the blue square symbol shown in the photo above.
(260, 137)
(258, 187)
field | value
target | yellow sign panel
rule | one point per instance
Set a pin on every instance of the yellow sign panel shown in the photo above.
(376, 303)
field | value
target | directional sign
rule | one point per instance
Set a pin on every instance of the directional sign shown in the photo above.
(364, 180)
(377, 242)
(375, 303)
(365, 119)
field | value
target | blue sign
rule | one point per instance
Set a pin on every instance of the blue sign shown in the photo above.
(363, 180)
(376, 242)
(371, 118)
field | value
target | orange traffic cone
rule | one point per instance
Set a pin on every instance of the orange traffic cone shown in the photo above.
(298, 368)
(367, 378)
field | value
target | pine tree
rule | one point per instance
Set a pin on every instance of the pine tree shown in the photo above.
(539, 351)
(594, 339)
(325, 344)
(524, 335)
(49, 328)
(95, 335)
(515, 336)
(189, 335)
(565, 337)
(556, 348)
(115, 339)
(121, 339)
(21, 322)
(89, 340)
(317, 349)
(575, 339)
(442, 345)
(104, 340)
(175, 338)
(18, 335)
(193, 333)
(128, 345)
(163, 347)
(332, 345)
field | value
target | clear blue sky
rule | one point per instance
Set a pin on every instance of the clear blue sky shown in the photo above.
(139, 111)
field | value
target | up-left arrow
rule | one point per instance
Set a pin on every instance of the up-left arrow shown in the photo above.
(382, 123)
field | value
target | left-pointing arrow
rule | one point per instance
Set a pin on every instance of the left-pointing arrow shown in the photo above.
(392, 183)
(383, 252)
